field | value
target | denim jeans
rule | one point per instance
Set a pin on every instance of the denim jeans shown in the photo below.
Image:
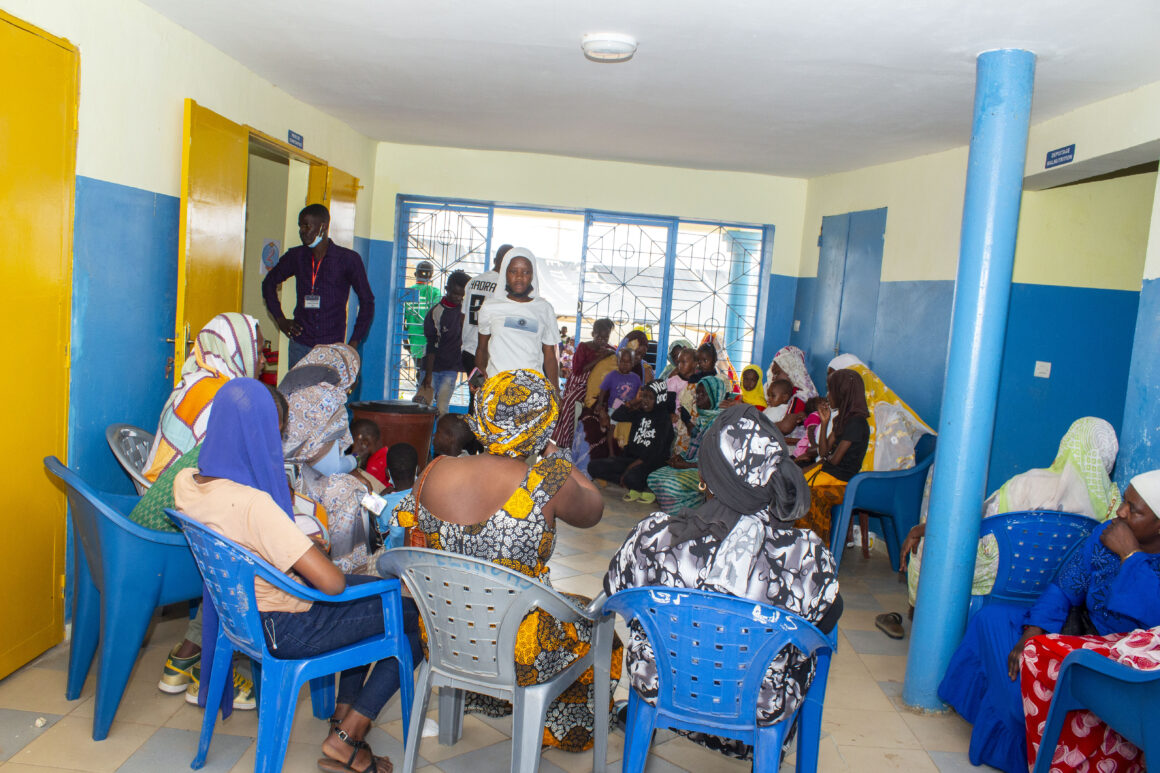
(295, 352)
(327, 626)
(444, 383)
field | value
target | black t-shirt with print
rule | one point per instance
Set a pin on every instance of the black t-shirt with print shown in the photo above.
(651, 437)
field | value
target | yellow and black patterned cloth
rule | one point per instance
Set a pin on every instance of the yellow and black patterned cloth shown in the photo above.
(515, 413)
(517, 536)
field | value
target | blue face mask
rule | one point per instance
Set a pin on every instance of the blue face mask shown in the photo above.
(318, 239)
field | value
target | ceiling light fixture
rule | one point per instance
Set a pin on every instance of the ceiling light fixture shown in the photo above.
(608, 47)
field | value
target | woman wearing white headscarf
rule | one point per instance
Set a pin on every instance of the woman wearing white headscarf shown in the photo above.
(740, 542)
(1114, 576)
(518, 330)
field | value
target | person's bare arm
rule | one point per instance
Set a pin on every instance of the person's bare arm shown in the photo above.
(481, 353)
(579, 502)
(788, 422)
(836, 455)
(318, 570)
(551, 366)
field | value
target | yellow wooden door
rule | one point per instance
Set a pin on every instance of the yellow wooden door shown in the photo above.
(38, 113)
(214, 161)
(337, 191)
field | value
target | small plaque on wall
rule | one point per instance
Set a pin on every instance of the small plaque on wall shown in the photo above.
(295, 139)
(1054, 157)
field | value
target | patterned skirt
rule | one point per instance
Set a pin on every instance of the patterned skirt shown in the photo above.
(825, 492)
(544, 648)
(676, 489)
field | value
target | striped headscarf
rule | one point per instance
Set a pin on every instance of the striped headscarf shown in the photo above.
(792, 361)
(226, 348)
(514, 414)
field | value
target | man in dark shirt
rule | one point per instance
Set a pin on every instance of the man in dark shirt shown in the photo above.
(443, 328)
(325, 275)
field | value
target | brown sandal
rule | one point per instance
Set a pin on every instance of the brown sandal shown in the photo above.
(334, 766)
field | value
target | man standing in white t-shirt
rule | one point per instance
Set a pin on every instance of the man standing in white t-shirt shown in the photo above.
(517, 330)
(479, 289)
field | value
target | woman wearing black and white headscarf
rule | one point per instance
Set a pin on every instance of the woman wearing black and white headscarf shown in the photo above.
(741, 542)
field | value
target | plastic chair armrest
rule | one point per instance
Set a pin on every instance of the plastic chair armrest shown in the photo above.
(1113, 669)
(595, 608)
(352, 592)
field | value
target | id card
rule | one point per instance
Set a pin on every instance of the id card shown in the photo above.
(313, 301)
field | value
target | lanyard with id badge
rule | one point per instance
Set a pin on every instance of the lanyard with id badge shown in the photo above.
(313, 300)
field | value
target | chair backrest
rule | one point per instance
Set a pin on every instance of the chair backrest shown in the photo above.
(472, 610)
(925, 449)
(130, 445)
(1032, 546)
(229, 571)
(712, 650)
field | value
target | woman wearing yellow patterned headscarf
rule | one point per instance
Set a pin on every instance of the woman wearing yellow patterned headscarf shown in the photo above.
(513, 418)
(515, 412)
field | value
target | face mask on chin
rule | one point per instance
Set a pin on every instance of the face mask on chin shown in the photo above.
(318, 239)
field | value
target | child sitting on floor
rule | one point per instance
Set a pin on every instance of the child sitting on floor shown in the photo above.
(650, 440)
(452, 436)
(369, 449)
(402, 464)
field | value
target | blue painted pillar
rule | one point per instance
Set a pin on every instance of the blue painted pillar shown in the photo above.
(1003, 85)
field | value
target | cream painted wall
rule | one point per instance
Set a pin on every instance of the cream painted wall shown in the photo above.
(924, 200)
(137, 67)
(1152, 259)
(1086, 235)
(528, 178)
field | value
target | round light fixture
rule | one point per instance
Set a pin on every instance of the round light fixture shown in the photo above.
(608, 47)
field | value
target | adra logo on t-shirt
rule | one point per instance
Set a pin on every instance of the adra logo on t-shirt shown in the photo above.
(523, 324)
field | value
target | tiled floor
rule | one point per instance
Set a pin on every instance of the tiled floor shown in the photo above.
(864, 727)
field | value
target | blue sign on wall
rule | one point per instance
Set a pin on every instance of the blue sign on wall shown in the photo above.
(295, 139)
(1054, 157)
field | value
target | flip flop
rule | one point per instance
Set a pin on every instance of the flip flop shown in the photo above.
(890, 623)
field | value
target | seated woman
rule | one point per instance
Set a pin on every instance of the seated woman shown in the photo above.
(229, 346)
(1076, 482)
(756, 493)
(317, 432)
(678, 484)
(586, 356)
(496, 507)
(1114, 576)
(841, 447)
(790, 364)
(895, 428)
(239, 491)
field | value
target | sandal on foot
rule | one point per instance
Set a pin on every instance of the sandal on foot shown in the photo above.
(890, 623)
(329, 765)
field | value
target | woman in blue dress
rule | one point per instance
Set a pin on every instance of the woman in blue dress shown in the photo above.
(1114, 577)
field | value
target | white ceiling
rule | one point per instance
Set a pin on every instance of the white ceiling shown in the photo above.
(788, 87)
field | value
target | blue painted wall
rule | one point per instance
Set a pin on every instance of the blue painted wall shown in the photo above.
(379, 257)
(124, 305)
(803, 311)
(910, 342)
(1140, 435)
(1086, 334)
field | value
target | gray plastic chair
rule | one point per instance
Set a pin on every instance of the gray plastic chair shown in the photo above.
(471, 610)
(131, 447)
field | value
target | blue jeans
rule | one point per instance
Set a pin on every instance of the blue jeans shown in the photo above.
(328, 626)
(295, 352)
(443, 382)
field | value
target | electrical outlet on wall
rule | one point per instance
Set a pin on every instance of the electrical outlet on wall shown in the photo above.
(797, 325)
(1042, 369)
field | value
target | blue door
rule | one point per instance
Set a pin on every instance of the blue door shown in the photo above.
(849, 274)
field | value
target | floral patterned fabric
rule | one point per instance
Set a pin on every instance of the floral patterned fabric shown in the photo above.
(518, 537)
(1085, 743)
(791, 569)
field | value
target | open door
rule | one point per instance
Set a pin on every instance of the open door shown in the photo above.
(38, 140)
(212, 241)
(337, 191)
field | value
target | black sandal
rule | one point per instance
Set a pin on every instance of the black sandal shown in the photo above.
(890, 623)
(334, 766)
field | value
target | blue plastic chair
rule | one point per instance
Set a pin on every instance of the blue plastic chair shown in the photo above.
(893, 498)
(1033, 544)
(1125, 698)
(229, 571)
(712, 652)
(122, 573)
